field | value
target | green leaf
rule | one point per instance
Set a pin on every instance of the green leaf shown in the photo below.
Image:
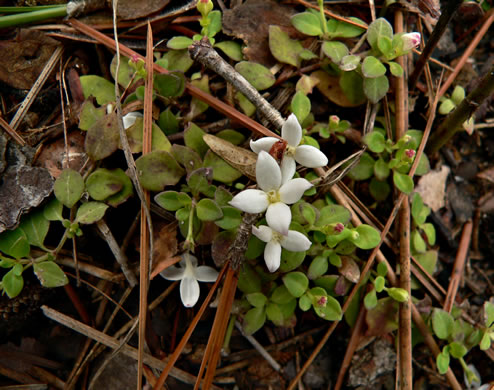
(214, 26)
(372, 67)
(308, 213)
(395, 69)
(125, 72)
(126, 191)
(232, 49)
(368, 237)
(208, 210)
(103, 137)
(232, 136)
(90, 212)
(50, 274)
(485, 343)
(398, 294)
(442, 361)
(186, 157)
(333, 214)
(403, 182)
(14, 243)
(458, 95)
(376, 88)
(331, 311)
(385, 46)
(274, 314)
(36, 226)
(257, 299)
(254, 319)
(304, 302)
(171, 84)
(247, 107)
(446, 107)
(179, 43)
(256, 74)
(232, 217)
(193, 137)
(300, 106)
(370, 299)
(102, 89)
(375, 141)
(488, 314)
(307, 23)
(291, 260)
(382, 269)
(341, 29)
(457, 350)
(222, 171)
(377, 29)
(12, 284)
(442, 323)
(352, 85)
(168, 122)
(199, 181)
(172, 200)
(176, 60)
(103, 183)
(283, 48)
(381, 170)
(281, 295)
(349, 62)
(318, 267)
(364, 169)
(379, 283)
(69, 187)
(158, 169)
(419, 210)
(53, 210)
(430, 232)
(418, 242)
(198, 106)
(90, 115)
(335, 50)
(296, 283)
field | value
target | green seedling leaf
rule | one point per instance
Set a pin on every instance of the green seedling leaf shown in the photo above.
(379, 283)
(274, 314)
(375, 141)
(381, 169)
(351, 83)
(102, 89)
(403, 182)
(419, 211)
(208, 210)
(193, 137)
(300, 106)
(333, 214)
(247, 107)
(69, 187)
(458, 95)
(485, 342)
(442, 323)
(254, 320)
(335, 259)
(331, 311)
(222, 171)
(296, 283)
(377, 29)
(376, 88)
(349, 63)
(382, 269)
(334, 50)
(232, 217)
(125, 71)
(395, 69)
(318, 267)
(398, 294)
(14, 243)
(256, 74)
(370, 299)
(12, 283)
(442, 361)
(307, 23)
(305, 303)
(283, 48)
(364, 169)
(90, 212)
(488, 314)
(232, 49)
(457, 350)
(53, 210)
(309, 213)
(186, 157)
(176, 60)
(171, 84)
(158, 169)
(168, 122)
(50, 274)
(103, 137)
(430, 232)
(385, 46)
(372, 67)
(179, 43)
(341, 29)
(257, 299)
(35, 226)
(446, 106)
(103, 183)
(214, 26)
(418, 242)
(173, 200)
(90, 115)
(281, 295)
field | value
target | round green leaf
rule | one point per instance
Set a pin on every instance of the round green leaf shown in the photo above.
(418, 242)
(364, 169)
(442, 361)
(296, 283)
(281, 295)
(171, 84)
(339, 28)
(14, 243)
(274, 314)
(446, 107)
(333, 214)
(331, 311)
(256, 74)
(103, 137)
(179, 43)
(318, 267)
(385, 45)
(457, 350)
(304, 302)
(307, 23)
(335, 50)
(50, 274)
(171, 200)
(254, 319)
(300, 106)
(381, 169)
(222, 171)
(232, 49)
(291, 260)
(370, 299)
(368, 237)
(377, 29)
(375, 141)
(442, 323)
(103, 183)
(257, 299)
(232, 217)
(458, 95)
(403, 182)
(158, 169)
(208, 210)
(349, 62)
(36, 226)
(376, 88)
(168, 122)
(12, 284)
(379, 283)
(398, 294)
(53, 210)
(283, 48)
(395, 69)
(102, 89)
(90, 212)
(69, 187)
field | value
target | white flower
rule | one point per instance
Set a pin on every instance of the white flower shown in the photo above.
(410, 41)
(272, 197)
(130, 118)
(189, 274)
(305, 155)
(294, 241)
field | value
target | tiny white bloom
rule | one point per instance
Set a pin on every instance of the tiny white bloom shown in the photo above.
(294, 241)
(130, 118)
(410, 41)
(305, 155)
(273, 196)
(189, 274)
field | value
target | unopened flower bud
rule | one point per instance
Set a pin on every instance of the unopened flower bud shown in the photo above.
(334, 120)
(204, 7)
(410, 153)
(339, 227)
(410, 40)
(321, 301)
(398, 294)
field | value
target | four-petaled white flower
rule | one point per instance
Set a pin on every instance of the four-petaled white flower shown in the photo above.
(189, 274)
(410, 41)
(294, 241)
(273, 195)
(305, 155)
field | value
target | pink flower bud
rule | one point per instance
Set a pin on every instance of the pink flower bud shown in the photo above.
(134, 58)
(322, 301)
(334, 119)
(410, 40)
(339, 227)
(410, 153)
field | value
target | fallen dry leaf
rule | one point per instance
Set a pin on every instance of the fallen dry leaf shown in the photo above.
(431, 187)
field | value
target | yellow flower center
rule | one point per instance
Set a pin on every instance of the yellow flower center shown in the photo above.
(290, 150)
(277, 237)
(273, 196)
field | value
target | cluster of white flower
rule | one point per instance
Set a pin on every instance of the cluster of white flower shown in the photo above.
(278, 189)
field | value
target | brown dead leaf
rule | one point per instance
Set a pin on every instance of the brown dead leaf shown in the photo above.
(487, 174)
(165, 247)
(349, 269)
(431, 187)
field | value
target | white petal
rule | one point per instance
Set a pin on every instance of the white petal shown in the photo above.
(310, 157)
(205, 273)
(189, 291)
(250, 201)
(295, 242)
(292, 190)
(268, 173)
(288, 168)
(187, 256)
(272, 255)
(279, 217)
(263, 233)
(291, 131)
(173, 273)
(130, 118)
(264, 143)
